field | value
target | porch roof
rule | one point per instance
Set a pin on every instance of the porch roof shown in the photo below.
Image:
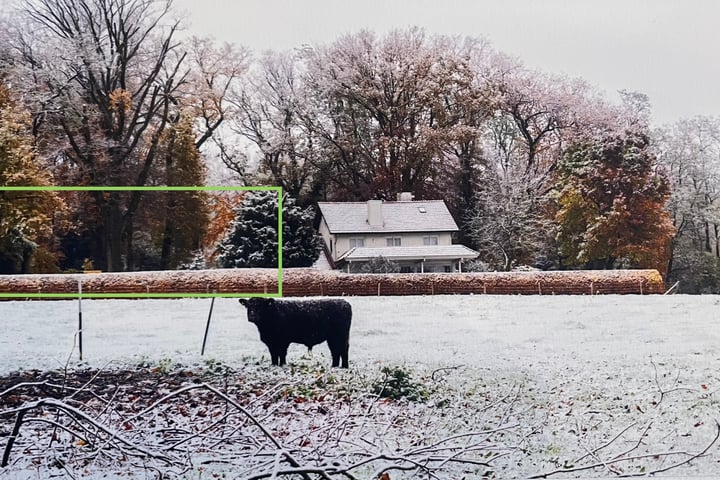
(425, 252)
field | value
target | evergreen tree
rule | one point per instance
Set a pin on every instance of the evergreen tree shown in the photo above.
(252, 240)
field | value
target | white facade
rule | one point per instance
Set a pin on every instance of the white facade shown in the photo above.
(415, 234)
(340, 244)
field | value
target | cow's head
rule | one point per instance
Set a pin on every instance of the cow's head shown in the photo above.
(256, 307)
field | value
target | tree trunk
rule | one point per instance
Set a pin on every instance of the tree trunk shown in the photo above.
(707, 237)
(112, 231)
(610, 263)
(128, 243)
(168, 235)
(671, 258)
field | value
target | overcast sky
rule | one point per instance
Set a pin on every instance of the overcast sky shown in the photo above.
(668, 49)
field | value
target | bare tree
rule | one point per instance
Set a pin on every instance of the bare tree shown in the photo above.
(392, 105)
(689, 152)
(109, 73)
(275, 114)
(509, 226)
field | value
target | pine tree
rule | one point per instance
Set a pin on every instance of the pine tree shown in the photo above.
(252, 240)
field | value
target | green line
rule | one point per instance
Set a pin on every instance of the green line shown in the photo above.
(133, 188)
(280, 240)
(137, 295)
(157, 188)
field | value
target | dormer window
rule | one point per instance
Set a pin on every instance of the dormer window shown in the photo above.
(422, 209)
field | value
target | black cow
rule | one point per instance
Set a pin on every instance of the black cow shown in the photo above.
(309, 322)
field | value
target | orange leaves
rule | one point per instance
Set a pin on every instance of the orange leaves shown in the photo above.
(120, 100)
(222, 206)
(612, 205)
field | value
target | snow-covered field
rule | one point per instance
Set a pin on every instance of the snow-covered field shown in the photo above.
(585, 367)
(534, 334)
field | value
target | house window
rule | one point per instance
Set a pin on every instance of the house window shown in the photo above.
(393, 241)
(357, 242)
(430, 240)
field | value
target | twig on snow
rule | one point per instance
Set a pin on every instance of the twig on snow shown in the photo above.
(444, 369)
(664, 392)
(76, 414)
(605, 463)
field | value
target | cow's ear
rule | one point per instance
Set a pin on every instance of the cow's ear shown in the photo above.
(243, 301)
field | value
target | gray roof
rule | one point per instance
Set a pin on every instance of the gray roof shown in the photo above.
(426, 252)
(351, 217)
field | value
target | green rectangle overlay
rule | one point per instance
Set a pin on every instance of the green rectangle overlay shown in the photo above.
(277, 190)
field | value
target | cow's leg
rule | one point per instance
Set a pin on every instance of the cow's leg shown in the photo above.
(282, 352)
(344, 354)
(274, 354)
(335, 352)
(339, 351)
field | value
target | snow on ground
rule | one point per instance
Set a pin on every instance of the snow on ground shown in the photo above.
(531, 333)
(587, 366)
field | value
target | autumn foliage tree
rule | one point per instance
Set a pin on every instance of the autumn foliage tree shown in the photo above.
(106, 101)
(102, 108)
(611, 206)
(26, 217)
(187, 213)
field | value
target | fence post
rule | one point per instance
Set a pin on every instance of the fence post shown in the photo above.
(80, 327)
(207, 326)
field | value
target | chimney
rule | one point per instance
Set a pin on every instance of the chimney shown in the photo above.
(404, 197)
(374, 213)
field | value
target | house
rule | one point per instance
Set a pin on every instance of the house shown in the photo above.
(415, 234)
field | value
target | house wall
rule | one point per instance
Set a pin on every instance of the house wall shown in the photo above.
(327, 237)
(341, 242)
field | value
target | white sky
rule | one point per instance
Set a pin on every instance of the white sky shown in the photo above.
(668, 49)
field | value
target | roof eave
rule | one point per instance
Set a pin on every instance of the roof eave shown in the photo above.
(430, 257)
(423, 230)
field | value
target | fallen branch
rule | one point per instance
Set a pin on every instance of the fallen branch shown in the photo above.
(615, 460)
(76, 415)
